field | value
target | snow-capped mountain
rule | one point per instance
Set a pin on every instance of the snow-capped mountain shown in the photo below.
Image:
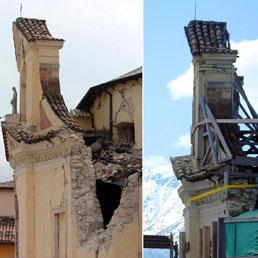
(163, 209)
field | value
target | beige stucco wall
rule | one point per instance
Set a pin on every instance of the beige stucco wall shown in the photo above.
(7, 251)
(6, 202)
(30, 58)
(43, 170)
(84, 122)
(50, 191)
(43, 190)
(129, 112)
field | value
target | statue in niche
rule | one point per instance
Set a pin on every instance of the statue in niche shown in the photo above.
(14, 101)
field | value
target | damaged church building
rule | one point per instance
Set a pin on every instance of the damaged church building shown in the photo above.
(77, 173)
(219, 177)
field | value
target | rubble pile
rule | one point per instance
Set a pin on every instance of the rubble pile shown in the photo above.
(110, 164)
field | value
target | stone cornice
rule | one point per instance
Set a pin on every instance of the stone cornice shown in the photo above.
(38, 153)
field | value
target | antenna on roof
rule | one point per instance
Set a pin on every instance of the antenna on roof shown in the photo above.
(195, 9)
(21, 10)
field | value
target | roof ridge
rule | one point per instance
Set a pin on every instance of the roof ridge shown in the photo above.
(32, 19)
(207, 21)
(7, 185)
(6, 217)
(34, 29)
(208, 37)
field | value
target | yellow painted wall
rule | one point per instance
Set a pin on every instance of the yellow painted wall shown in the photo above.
(84, 122)
(7, 251)
(133, 95)
(52, 197)
(29, 60)
(25, 194)
(44, 188)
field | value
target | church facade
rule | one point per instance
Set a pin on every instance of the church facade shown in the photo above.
(77, 174)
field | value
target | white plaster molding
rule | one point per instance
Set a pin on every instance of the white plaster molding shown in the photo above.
(192, 211)
(43, 152)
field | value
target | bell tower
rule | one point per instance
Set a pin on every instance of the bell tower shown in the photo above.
(213, 62)
(219, 177)
(36, 52)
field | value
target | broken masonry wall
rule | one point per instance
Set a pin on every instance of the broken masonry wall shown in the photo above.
(83, 185)
(241, 200)
(109, 166)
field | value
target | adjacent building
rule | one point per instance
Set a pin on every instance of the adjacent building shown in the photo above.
(7, 213)
(78, 173)
(219, 176)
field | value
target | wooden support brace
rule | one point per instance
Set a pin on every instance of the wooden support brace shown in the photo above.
(182, 243)
(206, 242)
(200, 243)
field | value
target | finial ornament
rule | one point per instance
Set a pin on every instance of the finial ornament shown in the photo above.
(21, 10)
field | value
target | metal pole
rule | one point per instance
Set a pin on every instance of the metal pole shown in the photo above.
(195, 9)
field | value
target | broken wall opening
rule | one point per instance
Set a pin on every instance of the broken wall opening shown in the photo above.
(109, 195)
(125, 133)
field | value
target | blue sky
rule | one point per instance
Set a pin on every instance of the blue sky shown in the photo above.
(167, 56)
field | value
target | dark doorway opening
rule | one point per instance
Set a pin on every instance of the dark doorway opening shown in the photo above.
(109, 196)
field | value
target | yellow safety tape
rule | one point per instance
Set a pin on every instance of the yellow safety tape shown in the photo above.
(216, 190)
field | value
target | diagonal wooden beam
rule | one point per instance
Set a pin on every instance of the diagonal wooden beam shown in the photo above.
(218, 132)
(205, 114)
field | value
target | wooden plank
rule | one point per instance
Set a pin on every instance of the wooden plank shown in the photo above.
(242, 92)
(221, 241)
(227, 121)
(218, 132)
(205, 113)
(214, 239)
(200, 243)
(237, 121)
(206, 242)
(182, 238)
(154, 241)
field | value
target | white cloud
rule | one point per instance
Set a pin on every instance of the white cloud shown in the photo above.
(182, 85)
(184, 141)
(247, 65)
(155, 161)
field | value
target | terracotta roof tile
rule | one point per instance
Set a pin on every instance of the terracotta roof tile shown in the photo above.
(185, 167)
(208, 37)
(21, 134)
(7, 185)
(7, 232)
(51, 90)
(95, 91)
(34, 29)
